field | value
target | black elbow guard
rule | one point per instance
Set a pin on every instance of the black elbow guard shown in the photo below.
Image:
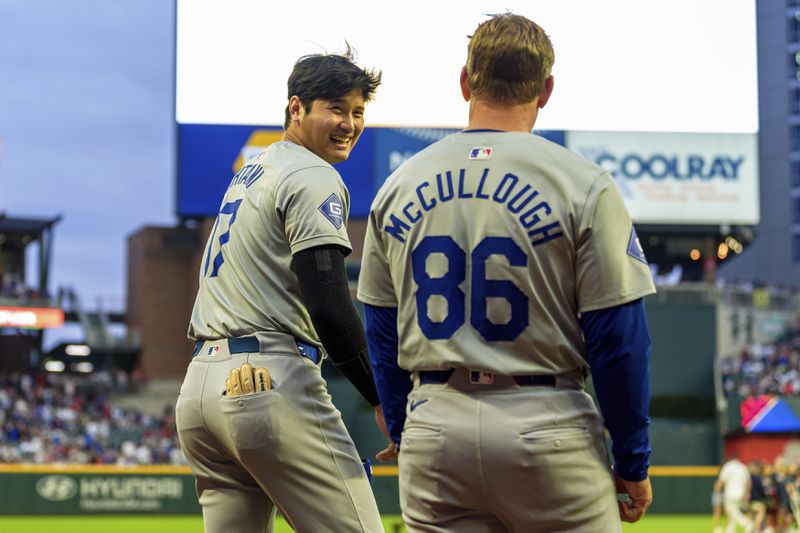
(358, 372)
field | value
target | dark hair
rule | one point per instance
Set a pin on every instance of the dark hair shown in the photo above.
(329, 76)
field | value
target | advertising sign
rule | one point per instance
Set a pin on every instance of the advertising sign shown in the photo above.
(73, 492)
(31, 317)
(209, 156)
(679, 178)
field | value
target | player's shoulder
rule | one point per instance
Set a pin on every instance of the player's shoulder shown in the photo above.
(288, 163)
(562, 157)
(287, 158)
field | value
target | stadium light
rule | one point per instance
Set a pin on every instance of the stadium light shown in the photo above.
(734, 244)
(84, 367)
(54, 366)
(78, 350)
(694, 254)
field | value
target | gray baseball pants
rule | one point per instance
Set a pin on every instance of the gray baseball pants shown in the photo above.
(503, 457)
(286, 448)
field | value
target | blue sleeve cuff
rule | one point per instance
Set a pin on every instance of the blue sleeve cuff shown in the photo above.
(618, 349)
(393, 383)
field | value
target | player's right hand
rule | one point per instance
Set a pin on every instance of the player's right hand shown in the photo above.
(391, 451)
(640, 497)
(247, 380)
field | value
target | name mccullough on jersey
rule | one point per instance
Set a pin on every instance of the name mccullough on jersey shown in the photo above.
(523, 201)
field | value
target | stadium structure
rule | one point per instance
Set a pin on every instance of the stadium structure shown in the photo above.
(707, 207)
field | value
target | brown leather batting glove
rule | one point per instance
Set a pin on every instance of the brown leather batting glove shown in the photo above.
(247, 380)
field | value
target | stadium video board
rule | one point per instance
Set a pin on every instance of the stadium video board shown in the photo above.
(619, 67)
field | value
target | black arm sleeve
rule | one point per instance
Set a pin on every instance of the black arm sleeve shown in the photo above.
(324, 290)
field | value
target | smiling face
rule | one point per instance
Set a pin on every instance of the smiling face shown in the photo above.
(329, 128)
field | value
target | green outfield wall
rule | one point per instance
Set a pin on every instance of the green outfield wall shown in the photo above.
(169, 490)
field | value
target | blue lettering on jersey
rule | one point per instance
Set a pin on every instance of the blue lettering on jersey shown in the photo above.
(247, 175)
(397, 228)
(535, 217)
(635, 247)
(442, 196)
(332, 209)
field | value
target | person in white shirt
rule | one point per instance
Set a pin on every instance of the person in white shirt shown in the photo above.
(734, 484)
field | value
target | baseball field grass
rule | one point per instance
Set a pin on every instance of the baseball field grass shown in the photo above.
(193, 524)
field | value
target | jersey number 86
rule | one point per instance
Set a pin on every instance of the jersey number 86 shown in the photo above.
(480, 288)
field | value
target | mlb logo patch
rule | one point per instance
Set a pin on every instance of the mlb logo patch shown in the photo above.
(635, 247)
(212, 350)
(481, 153)
(333, 210)
(479, 377)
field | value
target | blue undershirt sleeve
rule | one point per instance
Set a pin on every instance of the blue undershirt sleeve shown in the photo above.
(618, 349)
(392, 382)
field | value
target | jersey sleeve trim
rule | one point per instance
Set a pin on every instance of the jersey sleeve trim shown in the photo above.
(617, 300)
(321, 240)
(371, 300)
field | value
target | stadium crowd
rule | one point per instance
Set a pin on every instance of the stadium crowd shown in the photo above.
(61, 418)
(761, 496)
(772, 368)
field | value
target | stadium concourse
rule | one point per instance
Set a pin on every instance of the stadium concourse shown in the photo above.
(74, 419)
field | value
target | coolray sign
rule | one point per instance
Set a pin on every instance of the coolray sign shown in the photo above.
(679, 178)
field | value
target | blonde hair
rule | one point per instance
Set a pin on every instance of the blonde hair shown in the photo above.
(509, 57)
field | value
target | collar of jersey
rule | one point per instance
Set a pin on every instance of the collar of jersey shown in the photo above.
(483, 131)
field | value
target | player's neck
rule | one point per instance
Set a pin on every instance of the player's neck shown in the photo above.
(489, 115)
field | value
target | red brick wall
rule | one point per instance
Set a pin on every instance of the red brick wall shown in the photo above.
(163, 265)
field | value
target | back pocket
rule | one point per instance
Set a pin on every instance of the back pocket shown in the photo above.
(253, 420)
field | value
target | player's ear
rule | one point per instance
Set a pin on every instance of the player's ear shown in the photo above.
(295, 108)
(465, 90)
(544, 96)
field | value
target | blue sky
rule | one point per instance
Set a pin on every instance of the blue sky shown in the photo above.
(87, 129)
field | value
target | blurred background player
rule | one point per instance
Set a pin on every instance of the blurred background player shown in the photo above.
(734, 484)
(489, 257)
(783, 477)
(273, 292)
(761, 495)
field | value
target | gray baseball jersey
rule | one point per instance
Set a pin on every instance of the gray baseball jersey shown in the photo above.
(498, 239)
(490, 244)
(283, 201)
(287, 447)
